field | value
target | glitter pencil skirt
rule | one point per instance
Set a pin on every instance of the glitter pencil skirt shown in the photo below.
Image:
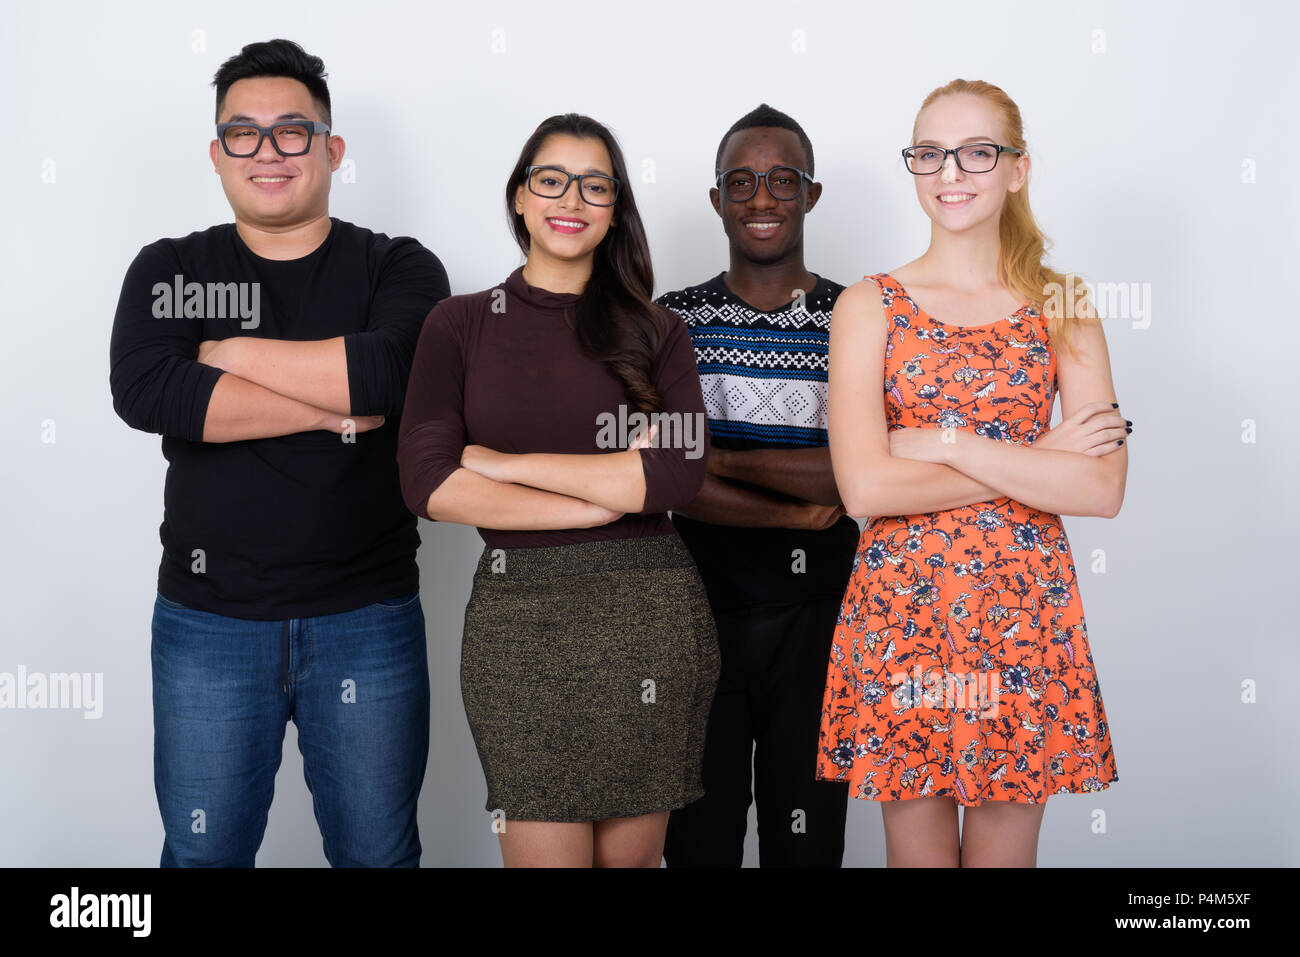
(588, 671)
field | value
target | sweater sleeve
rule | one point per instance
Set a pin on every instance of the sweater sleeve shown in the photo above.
(411, 282)
(675, 468)
(154, 376)
(431, 437)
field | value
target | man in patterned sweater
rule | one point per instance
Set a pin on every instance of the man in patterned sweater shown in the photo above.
(767, 530)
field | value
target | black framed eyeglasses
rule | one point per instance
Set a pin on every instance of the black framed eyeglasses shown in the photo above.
(741, 183)
(289, 139)
(971, 158)
(551, 182)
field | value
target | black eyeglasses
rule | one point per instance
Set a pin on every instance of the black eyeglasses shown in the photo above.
(289, 139)
(551, 182)
(741, 183)
(971, 158)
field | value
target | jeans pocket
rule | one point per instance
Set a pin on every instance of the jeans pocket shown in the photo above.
(168, 603)
(400, 603)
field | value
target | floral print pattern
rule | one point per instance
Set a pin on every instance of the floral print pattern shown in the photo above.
(960, 664)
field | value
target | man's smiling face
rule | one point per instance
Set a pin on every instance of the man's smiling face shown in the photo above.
(266, 189)
(765, 229)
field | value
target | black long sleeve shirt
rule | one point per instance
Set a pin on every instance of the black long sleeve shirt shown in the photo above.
(295, 526)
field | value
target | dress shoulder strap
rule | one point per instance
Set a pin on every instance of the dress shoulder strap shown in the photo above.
(892, 295)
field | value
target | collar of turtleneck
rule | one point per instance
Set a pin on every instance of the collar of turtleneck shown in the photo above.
(535, 295)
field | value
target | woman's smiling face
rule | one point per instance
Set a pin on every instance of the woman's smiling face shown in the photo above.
(566, 228)
(954, 199)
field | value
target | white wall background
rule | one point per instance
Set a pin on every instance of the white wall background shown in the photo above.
(1138, 177)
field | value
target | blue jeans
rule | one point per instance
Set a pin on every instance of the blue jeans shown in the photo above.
(356, 684)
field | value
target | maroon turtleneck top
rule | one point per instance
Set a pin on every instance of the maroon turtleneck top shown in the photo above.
(501, 368)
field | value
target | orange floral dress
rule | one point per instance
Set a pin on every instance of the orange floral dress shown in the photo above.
(960, 663)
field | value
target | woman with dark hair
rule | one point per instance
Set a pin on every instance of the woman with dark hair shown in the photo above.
(561, 413)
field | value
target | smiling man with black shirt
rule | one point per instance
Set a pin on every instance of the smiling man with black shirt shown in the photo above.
(767, 530)
(272, 355)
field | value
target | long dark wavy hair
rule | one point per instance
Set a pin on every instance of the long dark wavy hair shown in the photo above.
(614, 319)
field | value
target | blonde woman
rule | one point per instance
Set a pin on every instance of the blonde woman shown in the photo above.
(960, 672)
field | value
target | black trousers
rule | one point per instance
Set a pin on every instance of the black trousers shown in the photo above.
(764, 725)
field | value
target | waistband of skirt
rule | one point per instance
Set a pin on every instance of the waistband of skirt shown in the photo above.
(586, 558)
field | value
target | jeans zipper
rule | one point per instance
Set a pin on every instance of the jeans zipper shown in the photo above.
(284, 656)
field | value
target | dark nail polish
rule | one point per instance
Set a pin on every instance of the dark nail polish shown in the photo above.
(1114, 405)
(1128, 421)
(1129, 429)
(1121, 441)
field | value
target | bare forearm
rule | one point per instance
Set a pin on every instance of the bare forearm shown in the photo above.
(467, 498)
(804, 473)
(312, 372)
(721, 502)
(891, 485)
(239, 409)
(1060, 482)
(614, 480)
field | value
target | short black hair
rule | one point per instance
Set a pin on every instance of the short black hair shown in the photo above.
(764, 115)
(275, 58)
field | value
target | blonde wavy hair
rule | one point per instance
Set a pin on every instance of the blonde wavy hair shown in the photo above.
(1023, 244)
